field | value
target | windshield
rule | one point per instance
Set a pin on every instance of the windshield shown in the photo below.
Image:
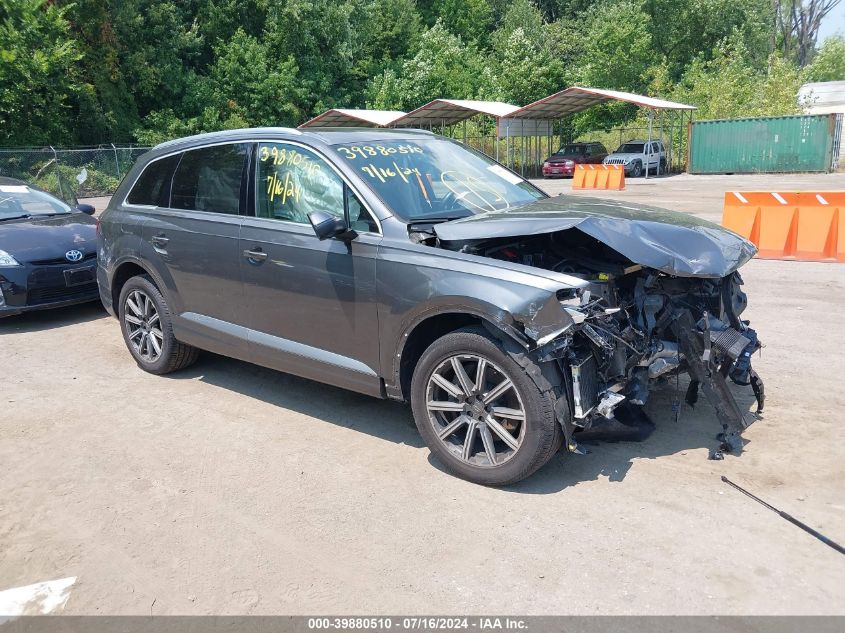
(630, 148)
(436, 179)
(572, 150)
(20, 201)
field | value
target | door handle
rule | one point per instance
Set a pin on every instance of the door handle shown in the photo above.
(255, 256)
(159, 241)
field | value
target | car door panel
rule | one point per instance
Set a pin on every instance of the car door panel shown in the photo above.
(310, 303)
(193, 245)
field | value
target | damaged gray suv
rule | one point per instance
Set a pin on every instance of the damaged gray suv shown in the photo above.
(403, 265)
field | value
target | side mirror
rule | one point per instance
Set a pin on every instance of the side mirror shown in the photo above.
(326, 225)
(85, 208)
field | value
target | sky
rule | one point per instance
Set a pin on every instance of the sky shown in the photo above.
(834, 22)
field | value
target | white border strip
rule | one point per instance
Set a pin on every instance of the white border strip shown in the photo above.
(41, 598)
(740, 197)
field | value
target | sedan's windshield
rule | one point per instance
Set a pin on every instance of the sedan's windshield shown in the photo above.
(20, 201)
(436, 179)
(630, 148)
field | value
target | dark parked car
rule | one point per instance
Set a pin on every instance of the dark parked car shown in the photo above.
(403, 265)
(562, 163)
(48, 250)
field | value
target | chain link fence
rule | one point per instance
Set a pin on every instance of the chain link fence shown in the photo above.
(71, 173)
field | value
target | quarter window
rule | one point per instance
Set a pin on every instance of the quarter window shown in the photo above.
(153, 185)
(210, 179)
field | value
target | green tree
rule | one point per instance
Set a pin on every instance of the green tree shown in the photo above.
(729, 86)
(37, 73)
(105, 109)
(684, 30)
(245, 87)
(443, 66)
(829, 62)
(468, 19)
(617, 47)
(526, 72)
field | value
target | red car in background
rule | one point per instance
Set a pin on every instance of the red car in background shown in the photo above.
(562, 163)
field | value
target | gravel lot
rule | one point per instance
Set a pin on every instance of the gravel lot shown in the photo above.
(231, 489)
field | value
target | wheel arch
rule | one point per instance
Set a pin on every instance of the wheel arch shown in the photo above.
(429, 327)
(123, 272)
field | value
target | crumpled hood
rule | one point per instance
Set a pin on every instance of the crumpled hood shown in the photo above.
(674, 243)
(36, 239)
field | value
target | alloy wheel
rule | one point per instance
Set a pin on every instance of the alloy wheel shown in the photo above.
(476, 410)
(143, 326)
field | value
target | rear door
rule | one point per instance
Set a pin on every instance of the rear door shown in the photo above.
(193, 245)
(310, 304)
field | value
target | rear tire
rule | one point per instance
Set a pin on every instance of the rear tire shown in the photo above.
(147, 328)
(509, 421)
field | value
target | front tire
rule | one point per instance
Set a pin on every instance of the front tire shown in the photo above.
(148, 330)
(479, 411)
(636, 169)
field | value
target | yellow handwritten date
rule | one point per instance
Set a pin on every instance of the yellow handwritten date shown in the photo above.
(283, 189)
(383, 173)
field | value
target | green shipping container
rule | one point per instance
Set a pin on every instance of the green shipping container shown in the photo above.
(762, 145)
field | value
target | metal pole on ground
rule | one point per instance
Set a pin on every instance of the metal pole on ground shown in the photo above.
(58, 172)
(648, 147)
(116, 162)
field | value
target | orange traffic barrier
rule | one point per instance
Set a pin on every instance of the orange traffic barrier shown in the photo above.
(599, 177)
(802, 226)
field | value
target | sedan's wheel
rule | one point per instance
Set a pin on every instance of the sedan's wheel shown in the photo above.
(147, 328)
(479, 411)
(475, 410)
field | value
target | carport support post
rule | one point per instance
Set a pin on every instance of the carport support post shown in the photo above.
(522, 148)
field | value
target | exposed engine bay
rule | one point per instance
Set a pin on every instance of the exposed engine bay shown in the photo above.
(633, 326)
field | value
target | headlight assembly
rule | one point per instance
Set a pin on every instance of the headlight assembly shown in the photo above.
(7, 260)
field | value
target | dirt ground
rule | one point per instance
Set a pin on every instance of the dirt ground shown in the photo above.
(232, 489)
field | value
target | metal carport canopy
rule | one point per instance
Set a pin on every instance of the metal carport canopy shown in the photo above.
(575, 99)
(451, 111)
(343, 117)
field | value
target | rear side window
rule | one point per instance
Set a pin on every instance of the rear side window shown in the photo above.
(153, 185)
(210, 179)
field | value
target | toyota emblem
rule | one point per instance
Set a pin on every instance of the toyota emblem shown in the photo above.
(73, 256)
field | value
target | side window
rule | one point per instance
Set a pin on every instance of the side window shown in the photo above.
(359, 218)
(153, 185)
(292, 182)
(209, 179)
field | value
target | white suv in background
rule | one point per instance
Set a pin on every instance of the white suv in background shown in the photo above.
(637, 156)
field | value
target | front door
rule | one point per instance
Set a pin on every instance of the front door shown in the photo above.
(309, 304)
